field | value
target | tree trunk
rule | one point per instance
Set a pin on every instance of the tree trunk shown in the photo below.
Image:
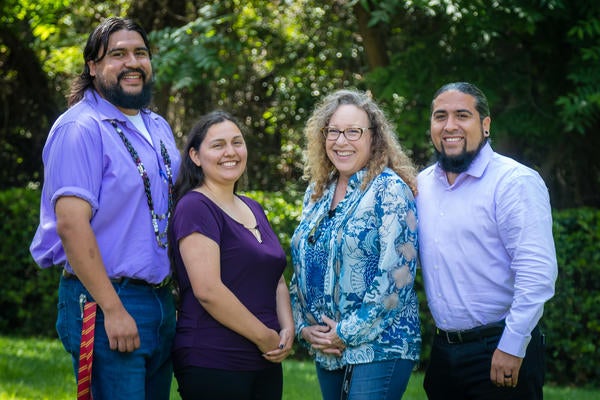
(374, 39)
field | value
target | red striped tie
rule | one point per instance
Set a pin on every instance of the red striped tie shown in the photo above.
(86, 352)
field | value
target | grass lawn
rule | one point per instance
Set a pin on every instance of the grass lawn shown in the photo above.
(40, 369)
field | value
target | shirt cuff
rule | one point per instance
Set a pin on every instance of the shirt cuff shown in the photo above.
(513, 343)
(343, 337)
(299, 328)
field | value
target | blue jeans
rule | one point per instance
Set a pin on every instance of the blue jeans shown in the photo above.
(145, 373)
(382, 380)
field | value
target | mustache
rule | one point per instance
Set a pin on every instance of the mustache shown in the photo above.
(127, 71)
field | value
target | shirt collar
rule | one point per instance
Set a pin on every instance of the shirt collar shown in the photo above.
(357, 178)
(481, 162)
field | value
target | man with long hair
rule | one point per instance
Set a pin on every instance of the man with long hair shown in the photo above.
(109, 168)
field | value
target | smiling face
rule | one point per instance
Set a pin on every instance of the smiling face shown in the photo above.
(347, 156)
(222, 154)
(455, 123)
(456, 130)
(124, 75)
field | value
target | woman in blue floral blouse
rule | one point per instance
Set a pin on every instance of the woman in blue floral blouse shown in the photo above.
(355, 252)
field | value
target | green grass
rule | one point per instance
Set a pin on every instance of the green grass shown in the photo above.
(40, 369)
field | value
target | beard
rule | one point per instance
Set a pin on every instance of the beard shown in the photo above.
(459, 163)
(115, 94)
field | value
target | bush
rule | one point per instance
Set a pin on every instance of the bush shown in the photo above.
(571, 319)
(28, 294)
(283, 211)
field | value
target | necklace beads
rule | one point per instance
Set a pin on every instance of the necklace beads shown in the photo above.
(161, 237)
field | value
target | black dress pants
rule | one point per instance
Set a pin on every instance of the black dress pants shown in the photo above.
(460, 371)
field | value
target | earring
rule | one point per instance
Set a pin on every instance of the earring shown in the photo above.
(486, 133)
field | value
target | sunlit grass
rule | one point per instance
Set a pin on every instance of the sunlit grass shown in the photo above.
(35, 369)
(40, 369)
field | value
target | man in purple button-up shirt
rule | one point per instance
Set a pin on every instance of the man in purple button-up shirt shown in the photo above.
(109, 167)
(488, 257)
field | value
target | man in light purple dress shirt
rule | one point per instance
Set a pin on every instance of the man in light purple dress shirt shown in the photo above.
(109, 166)
(488, 257)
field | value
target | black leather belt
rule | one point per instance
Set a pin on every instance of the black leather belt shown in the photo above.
(130, 281)
(471, 335)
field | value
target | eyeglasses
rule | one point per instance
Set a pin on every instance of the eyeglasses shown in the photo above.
(350, 134)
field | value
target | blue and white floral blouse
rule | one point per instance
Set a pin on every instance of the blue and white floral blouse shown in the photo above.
(357, 265)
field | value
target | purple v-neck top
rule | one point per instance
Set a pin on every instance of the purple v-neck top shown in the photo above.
(251, 270)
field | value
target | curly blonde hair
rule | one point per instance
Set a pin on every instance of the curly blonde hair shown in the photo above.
(385, 148)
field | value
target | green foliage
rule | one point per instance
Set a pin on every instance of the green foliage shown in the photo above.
(283, 211)
(267, 63)
(572, 317)
(28, 294)
(544, 111)
(204, 61)
(580, 108)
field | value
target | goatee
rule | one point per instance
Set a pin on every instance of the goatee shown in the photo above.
(461, 162)
(117, 96)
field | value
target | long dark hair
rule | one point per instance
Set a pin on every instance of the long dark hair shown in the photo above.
(98, 42)
(190, 175)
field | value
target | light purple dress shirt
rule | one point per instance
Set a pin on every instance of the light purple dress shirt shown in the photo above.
(486, 247)
(85, 157)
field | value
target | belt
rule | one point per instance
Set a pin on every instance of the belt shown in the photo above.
(471, 335)
(131, 281)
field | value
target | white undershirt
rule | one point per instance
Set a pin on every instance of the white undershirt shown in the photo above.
(138, 122)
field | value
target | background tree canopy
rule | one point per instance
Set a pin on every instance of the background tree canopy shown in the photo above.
(269, 61)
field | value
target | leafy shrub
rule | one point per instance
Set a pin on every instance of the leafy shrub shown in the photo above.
(283, 211)
(572, 317)
(28, 294)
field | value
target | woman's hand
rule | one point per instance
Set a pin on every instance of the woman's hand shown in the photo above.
(286, 339)
(332, 334)
(322, 339)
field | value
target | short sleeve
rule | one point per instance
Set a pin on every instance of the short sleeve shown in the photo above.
(74, 163)
(196, 214)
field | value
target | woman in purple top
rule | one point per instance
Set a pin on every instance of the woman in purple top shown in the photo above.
(235, 323)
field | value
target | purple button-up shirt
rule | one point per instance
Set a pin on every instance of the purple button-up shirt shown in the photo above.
(85, 157)
(486, 247)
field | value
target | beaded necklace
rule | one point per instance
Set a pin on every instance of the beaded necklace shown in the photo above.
(161, 238)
